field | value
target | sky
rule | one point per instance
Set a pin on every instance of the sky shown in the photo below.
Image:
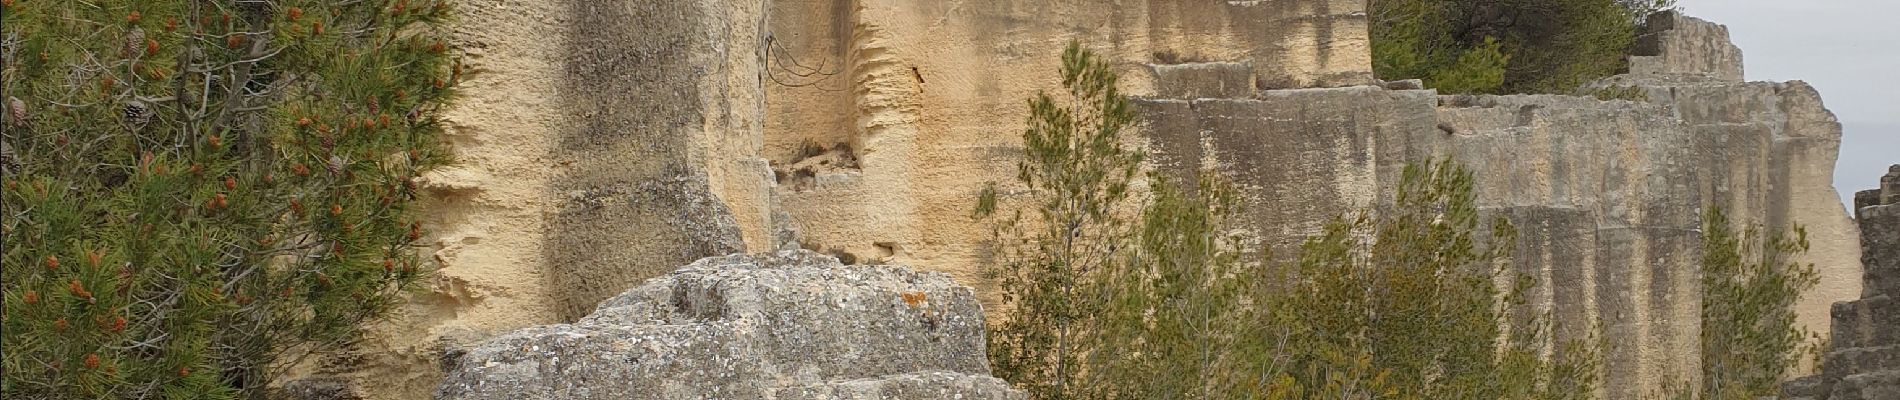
(1847, 49)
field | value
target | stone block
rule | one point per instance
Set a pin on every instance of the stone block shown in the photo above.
(1804, 388)
(793, 322)
(1868, 322)
(1884, 385)
(1672, 43)
(1880, 249)
(1856, 360)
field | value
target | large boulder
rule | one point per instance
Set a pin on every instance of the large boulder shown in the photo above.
(788, 325)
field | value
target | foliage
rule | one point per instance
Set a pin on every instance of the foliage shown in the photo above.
(1400, 304)
(201, 193)
(1427, 301)
(1180, 306)
(1749, 287)
(1080, 170)
(1508, 46)
(1479, 69)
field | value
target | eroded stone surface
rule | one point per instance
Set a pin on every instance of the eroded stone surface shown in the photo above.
(1864, 358)
(788, 325)
(1607, 195)
(1673, 43)
(928, 96)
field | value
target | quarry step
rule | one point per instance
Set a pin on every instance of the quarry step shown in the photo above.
(1880, 241)
(1805, 388)
(1205, 80)
(1868, 322)
(1883, 385)
(1856, 360)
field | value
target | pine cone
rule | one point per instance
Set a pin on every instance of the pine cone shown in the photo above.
(137, 115)
(134, 42)
(16, 111)
(335, 166)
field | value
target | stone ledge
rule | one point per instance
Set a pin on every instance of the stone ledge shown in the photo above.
(1216, 80)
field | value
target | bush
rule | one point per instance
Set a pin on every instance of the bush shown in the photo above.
(1076, 163)
(1749, 288)
(1180, 305)
(199, 194)
(1401, 304)
(1407, 303)
(1535, 46)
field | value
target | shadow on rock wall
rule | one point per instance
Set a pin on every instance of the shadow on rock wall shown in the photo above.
(635, 201)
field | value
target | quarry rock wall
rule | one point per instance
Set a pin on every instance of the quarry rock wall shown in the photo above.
(886, 117)
(605, 142)
(599, 143)
(1608, 194)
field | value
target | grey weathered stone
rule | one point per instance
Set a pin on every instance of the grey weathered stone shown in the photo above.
(1804, 388)
(1673, 43)
(1880, 241)
(319, 388)
(1868, 322)
(1881, 385)
(787, 325)
(1864, 361)
(640, 87)
(922, 385)
(1404, 84)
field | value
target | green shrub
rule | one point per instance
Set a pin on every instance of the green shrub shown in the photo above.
(1080, 172)
(1750, 284)
(1541, 46)
(199, 194)
(1404, 304)
(1180, 305)
(1413, 293)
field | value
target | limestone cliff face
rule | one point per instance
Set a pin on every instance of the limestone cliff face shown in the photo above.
(605, 142)
(1608, 194)
(600, 143)
(925, 99)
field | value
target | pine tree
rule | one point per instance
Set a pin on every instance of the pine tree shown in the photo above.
(1102, 293)
(1750, 284)
(1079, 171)
(207, 192)
(1406, 304)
